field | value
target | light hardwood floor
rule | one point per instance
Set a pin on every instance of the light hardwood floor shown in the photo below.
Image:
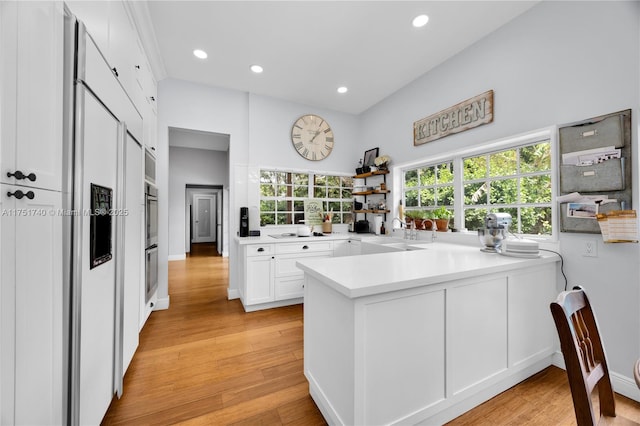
(205, 361)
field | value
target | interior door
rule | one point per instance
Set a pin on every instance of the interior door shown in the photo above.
(204, 218)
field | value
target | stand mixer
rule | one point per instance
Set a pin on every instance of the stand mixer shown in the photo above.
(496, 229)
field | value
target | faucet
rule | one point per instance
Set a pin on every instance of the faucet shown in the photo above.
(434, 228)
(402, 225)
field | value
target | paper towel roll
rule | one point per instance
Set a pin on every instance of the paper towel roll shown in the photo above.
(377, 223)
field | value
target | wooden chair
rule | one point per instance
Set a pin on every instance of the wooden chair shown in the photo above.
(584, 357)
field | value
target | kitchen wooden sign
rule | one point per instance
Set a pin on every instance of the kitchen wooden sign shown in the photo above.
(466, 115)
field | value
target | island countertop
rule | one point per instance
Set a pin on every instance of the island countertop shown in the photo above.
(365, 275)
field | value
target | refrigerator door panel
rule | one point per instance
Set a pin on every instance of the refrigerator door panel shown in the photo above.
(101, 134)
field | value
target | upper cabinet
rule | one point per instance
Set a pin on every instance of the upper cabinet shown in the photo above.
(31, 42)
(110, 26)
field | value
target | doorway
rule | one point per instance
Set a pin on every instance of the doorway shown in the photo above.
(204, 217)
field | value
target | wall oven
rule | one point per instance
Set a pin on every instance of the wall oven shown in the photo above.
(151, 246)
(151, 213)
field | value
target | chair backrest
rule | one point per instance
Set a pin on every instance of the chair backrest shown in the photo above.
(584, 355)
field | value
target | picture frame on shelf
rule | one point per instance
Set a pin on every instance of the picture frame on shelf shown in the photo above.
(370, 157)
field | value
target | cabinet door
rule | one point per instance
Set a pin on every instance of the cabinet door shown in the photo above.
(31, 304)
(260, 277)
(122, 45)
(31, 93)
(133, 249)
(355, 247)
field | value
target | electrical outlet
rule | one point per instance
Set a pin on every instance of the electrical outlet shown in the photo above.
(590, 248)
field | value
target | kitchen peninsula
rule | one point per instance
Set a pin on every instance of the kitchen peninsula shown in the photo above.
(422, 336)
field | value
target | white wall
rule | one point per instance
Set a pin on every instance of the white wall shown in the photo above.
(190, 166)
(260, 135)
(559, 63)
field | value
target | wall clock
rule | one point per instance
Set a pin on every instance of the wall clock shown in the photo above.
(312, 137)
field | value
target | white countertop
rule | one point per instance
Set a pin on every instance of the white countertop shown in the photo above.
(365, 275)
(267, 239)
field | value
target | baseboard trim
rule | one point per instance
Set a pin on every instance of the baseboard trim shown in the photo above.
(177, 257)
(162, 304)
(233, 293)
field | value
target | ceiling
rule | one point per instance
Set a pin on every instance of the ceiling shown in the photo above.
(310, 48)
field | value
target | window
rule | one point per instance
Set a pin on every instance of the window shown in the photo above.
(282, 196)
(516, 180)
(428, 187)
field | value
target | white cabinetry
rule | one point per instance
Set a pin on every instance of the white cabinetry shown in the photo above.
(269, 275)
(133, 250)
(257, 274)
(115, 35)
(31, 42)
(32, 366)
(426, 354)
(289, 280)
(31, 358)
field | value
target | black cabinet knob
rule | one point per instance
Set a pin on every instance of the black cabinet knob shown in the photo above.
(19, 194)
(19, 175)
(115, 71)
(305, 247)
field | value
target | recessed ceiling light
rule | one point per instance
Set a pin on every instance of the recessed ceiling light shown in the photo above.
(342, 89)
(200, 54)
(256, 68)
(420, 21)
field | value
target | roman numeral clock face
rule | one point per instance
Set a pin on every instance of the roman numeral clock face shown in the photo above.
(312, 137)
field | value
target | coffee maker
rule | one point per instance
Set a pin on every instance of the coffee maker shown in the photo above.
(244, 222)
(496, 229)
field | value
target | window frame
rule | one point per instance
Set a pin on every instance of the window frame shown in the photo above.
(339, 217)
(457, 158)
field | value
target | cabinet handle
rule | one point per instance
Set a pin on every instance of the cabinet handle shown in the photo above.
(115, 71)
(153, 98)
(19, 175)
(19, 194)
(305, 247)
(137, 67)
(260, 250)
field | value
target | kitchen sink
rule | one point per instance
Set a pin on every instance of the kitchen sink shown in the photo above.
(387, 244)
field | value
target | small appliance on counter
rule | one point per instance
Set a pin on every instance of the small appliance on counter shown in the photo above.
(496, 229)
(362, 227)
(244, 222)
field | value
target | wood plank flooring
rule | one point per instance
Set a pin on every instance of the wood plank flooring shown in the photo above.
(205, 361)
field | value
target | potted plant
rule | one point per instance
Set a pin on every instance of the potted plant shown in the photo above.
(410, 216)
(442, 216)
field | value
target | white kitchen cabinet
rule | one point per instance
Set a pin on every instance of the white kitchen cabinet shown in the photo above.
(269, 275)
(427, 346)
(350, 247)
(133, 249)
(259, 276)
(31, 42)
(31, 308)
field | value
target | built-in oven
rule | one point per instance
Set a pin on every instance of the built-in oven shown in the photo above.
(151, 213)
(149, 167)
(151, 246)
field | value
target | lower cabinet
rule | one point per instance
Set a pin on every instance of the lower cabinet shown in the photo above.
(270, 277)
(31, 306)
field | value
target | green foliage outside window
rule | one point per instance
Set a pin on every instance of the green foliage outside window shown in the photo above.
(282, 196)
(515, 180)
